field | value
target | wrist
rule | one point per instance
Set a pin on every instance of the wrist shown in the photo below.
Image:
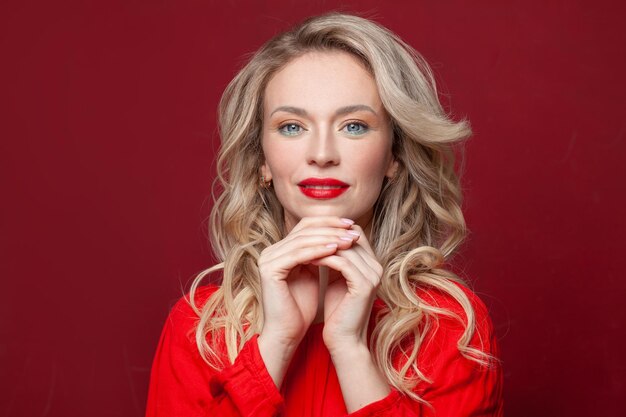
(350, 353)
(276, 357)
(361, 381)
(343, 345)
(279, 349)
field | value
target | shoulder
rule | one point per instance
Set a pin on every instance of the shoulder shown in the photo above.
(184, 308)
(179, 331)
(456, 371)
(180, 377)
(452, 318)
(452, 301)
(183, 316)
(457, 324)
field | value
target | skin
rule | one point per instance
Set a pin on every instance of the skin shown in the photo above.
(323, 118)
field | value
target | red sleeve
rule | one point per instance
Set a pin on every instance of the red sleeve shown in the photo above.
(460, 388)
(183, 385)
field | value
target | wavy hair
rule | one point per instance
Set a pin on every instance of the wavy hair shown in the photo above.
(417, 224)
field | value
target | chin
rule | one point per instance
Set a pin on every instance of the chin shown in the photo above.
(331, 211)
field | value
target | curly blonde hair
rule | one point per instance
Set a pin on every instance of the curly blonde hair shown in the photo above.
(417, 224)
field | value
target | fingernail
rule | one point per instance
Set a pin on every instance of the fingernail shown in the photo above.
(348, 221)
(349, 239)
(353, 232)
(331, 245)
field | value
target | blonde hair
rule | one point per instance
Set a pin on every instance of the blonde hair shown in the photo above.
(417, 222)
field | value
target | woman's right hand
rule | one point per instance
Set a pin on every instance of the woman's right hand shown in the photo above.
(290, 286)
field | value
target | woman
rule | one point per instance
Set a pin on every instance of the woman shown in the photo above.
(338, 208)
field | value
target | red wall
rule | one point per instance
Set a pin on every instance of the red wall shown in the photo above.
(107, 133)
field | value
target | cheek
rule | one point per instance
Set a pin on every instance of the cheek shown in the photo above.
(283, 159)
(282, 170)
(271, 155)
(280, 166)
(373, 163)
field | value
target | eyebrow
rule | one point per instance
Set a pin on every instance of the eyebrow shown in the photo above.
(340, 111)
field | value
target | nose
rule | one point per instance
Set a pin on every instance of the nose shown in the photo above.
(322, 149)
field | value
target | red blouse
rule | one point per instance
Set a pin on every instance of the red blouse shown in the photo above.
(183, 385)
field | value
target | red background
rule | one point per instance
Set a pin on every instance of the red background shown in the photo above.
(107, 138)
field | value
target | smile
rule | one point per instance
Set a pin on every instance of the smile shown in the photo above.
(322, 188)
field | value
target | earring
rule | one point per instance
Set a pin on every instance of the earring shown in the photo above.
(265, 184)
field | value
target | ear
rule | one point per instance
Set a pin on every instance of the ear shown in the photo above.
(266, 172)
(392, 170)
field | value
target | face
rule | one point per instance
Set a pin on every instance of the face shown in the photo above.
(326, 138)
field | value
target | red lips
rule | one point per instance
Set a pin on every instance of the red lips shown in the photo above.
(322, 188)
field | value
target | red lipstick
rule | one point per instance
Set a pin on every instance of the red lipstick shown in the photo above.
(322, 188)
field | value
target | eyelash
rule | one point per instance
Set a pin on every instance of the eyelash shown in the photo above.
(284, 125)
(364, 128)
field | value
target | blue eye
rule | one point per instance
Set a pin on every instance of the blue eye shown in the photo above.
(356, 128)
(290, 129)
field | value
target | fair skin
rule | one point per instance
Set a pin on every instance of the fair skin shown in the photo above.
(323, 118)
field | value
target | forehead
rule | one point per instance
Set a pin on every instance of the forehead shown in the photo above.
(318, 81)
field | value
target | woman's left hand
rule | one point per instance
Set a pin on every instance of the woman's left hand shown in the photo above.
(348, 301)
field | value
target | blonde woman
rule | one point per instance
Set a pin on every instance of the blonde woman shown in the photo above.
(338, 207)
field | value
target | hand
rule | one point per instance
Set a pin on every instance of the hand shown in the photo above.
(347, 310)
(348, 301)
(290, 286)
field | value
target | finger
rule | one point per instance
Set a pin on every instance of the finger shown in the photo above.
(369, 258)
(360, 259)
(279, 267)
(284, 249)
(355, 280)
(364, 241)
(330, 231)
